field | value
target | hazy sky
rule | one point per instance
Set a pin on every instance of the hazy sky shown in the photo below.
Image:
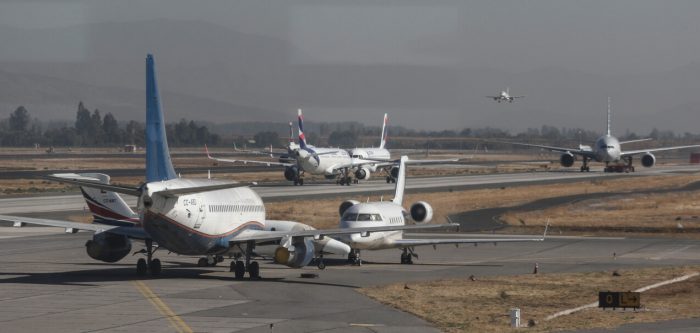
(603, 38)
(593, 36)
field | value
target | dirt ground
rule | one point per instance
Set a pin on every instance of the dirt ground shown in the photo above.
(482, 305)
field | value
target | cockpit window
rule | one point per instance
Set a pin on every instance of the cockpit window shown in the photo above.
(349, 217)
(369, 217)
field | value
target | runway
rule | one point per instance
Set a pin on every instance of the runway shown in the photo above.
(49, 284)
(75, 202)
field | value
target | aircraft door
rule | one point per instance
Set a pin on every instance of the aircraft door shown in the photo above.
(202, 216)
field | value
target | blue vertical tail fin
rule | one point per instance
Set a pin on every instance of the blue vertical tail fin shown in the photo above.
(158, 164)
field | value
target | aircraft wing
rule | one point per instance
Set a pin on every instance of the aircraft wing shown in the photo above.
(132, 232)
(259, 236)
(637, 140)
(267, 163)
(399, 243)
(574, 151)
(420, 242)
(643, 151)
(517, 96)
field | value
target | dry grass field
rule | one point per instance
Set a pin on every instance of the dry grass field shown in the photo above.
(482, 305)
(325, 212)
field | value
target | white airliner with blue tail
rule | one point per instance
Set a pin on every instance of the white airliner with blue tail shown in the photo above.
(197, 217)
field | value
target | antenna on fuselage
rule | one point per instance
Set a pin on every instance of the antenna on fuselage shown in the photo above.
(608, 115)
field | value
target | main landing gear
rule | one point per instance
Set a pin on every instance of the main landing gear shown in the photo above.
(148, 265)
(239, 267)
(209, 261)
(344, 178)
(354, 257)
(299, 179)
(390, 179)
(319, 262)
(626, 167)
(407, 256)
(585, 166)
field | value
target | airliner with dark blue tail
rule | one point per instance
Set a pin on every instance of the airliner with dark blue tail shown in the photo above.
(198, 217)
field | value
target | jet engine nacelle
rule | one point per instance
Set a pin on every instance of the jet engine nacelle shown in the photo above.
(567, 159)
(345, 205)
(648, 160)
(290, 173)
(394, 172)
(421, 212)
(297, 255)
(108, 247)
(363, 173)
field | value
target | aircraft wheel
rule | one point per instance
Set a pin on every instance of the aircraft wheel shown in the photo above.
(341, 181)
(202, 262)
(141, 267)
(155, 267)
(388, 179)
(232, 266)
(301, 181)
(321, 264)
(239, 270)
(254, 270)
(296, 182)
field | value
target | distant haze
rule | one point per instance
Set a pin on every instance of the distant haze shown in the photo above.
(429, 64)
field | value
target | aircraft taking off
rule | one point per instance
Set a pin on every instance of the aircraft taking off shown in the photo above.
(198, 217)
(606, 149)
(354, 214)
(505, 97)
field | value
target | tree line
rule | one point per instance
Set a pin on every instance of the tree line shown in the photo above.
(91, 129)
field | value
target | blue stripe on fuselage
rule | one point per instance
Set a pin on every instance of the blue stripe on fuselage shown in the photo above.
(182, 240)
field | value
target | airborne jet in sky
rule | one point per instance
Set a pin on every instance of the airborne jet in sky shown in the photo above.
(606, 149)
(505, 97)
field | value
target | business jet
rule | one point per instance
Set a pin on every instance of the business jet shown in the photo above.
(302, 158)
(606, 149)
(354, 214)
(192, 217)
(505, 97)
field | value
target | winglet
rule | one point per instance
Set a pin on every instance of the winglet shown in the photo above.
(400, 181)
(158, 164)
(302, 138)
(382, 143)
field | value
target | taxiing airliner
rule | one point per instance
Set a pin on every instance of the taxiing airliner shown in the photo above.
(606, 149)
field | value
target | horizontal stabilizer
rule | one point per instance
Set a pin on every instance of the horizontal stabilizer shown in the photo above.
(76, 179)
(197, 189)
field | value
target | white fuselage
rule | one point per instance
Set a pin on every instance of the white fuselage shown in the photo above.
(324, 161)
(371, 153)
(373, 214)
(199, 223)
(607, 149)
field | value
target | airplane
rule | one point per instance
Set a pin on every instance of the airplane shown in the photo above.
(355, 214)
(304, 158)
(505, 97)
(606, 149)
(380, 153)
(191, 217)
